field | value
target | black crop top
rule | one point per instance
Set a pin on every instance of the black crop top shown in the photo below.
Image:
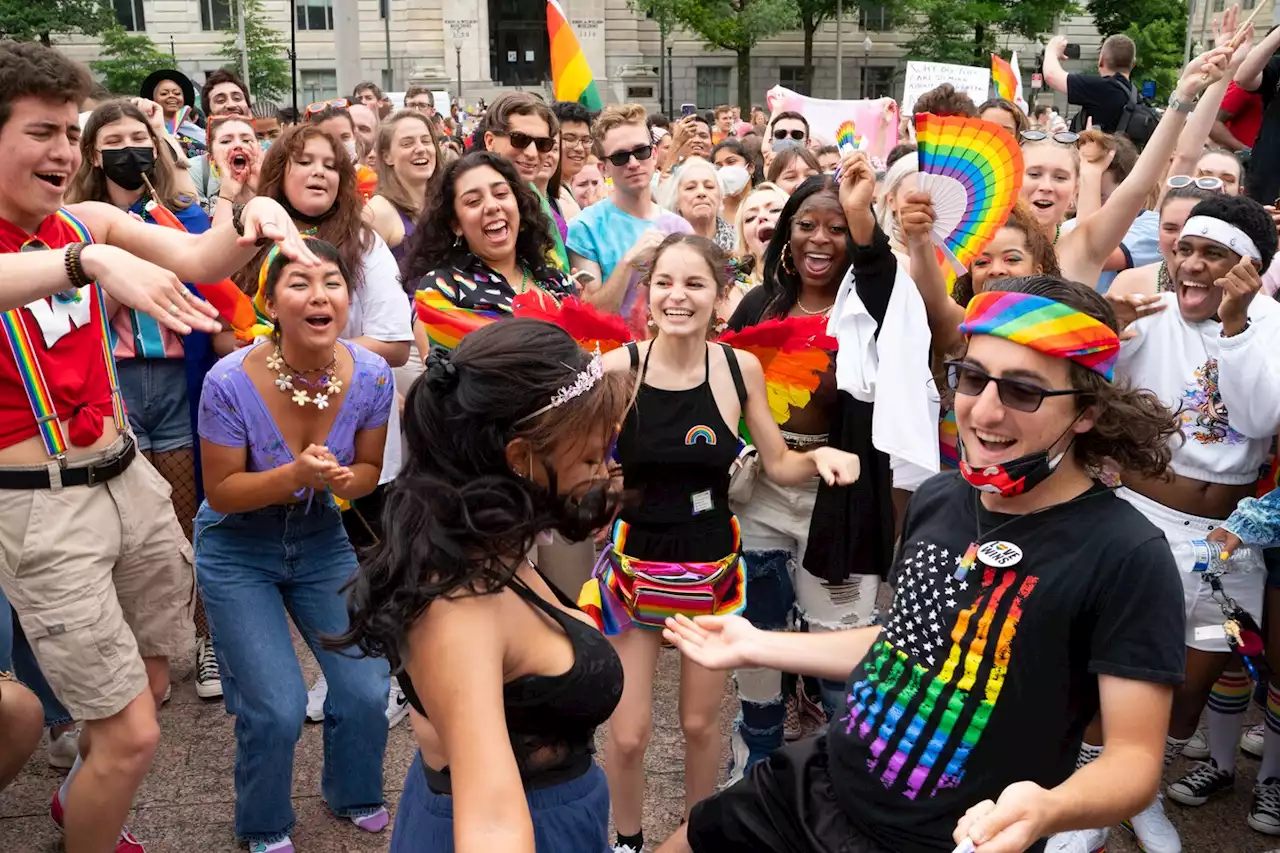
(551, 719)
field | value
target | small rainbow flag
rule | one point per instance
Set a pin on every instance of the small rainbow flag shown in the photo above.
(446, 323)
(570, 75)
(847, 138)
(1007, 79)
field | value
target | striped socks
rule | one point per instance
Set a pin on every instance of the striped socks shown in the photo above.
(1271, 744)
(1228, 701)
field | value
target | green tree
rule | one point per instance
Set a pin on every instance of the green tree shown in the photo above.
(31, 20)
(965, 32)
(738, 26)
(1157, 28)
(127, 59)
(269, 74)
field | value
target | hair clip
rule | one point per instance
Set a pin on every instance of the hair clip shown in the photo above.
(442, 373)
(582, 383)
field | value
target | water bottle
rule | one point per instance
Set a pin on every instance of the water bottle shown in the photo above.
(1213, 556)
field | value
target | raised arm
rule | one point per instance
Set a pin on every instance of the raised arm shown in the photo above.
(916, 218)
(1083, 252)
(1199, 126)
(1249, 75)
(1054, 74)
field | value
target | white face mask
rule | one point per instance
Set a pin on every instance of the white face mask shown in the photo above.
(733, 179)
(350, 145)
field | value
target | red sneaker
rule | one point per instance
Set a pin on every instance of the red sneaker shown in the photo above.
(126, 843)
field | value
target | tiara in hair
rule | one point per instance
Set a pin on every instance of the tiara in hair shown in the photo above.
(582, 383)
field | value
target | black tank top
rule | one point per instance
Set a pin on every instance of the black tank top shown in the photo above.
(676, 451)
(551, 719)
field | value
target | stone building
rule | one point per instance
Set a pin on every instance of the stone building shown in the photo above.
(481, 47)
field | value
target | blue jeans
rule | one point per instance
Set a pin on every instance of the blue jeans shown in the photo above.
(257, 570)
(572, 817)
(16, 655)
(155, 395)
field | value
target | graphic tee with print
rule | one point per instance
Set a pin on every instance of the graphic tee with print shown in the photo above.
(988, 679)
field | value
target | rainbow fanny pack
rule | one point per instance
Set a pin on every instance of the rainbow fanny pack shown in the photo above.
(625, 591)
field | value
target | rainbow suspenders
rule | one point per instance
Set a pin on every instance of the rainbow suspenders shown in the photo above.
(24, 354)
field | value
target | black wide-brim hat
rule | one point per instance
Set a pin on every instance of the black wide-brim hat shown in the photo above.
(156, 77)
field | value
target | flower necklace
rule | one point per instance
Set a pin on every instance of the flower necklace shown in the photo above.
(318, 391)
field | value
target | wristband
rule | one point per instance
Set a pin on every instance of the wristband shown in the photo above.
(224, 198)
(236, 222)
(1243, 329)
(75, 269)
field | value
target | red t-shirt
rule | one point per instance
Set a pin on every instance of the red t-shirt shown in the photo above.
(1246, 110)
(67, 339)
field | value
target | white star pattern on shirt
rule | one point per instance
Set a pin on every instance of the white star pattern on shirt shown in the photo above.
(917, 622)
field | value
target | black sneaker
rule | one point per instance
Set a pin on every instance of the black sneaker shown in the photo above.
(1264, 814)
(1204, 781)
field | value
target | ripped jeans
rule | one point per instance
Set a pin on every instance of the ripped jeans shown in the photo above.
(782, 595)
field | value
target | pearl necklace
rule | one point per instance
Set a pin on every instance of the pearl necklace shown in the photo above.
(317, 392)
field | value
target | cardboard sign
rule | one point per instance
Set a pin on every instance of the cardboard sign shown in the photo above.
(923, 76)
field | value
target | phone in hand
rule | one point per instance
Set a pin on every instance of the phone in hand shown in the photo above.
(688, 109)
(1072, 50)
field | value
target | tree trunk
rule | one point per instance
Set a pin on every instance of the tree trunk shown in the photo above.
(46, 39)
(744, 80)
(979, 33)
(810, 26)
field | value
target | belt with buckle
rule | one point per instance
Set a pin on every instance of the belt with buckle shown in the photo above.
(84, 475)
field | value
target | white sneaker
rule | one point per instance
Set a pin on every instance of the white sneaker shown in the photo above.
(625, 848)
(208, 679)
(1153, 830)
(315, 700)
(63, 749)
(397, 704)
(1078, 841)
(168, 694)
(1198, 747)
(1251, 741)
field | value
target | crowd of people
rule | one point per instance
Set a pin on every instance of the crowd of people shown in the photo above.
(488, 407)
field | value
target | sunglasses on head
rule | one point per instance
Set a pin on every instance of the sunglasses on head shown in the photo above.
(964, 378)
(321, 106)
(783, 134)
(1205, 182)
(621, 158)
(521, 141)
(1063, 137)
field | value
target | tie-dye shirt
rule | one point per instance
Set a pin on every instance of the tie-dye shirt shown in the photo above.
(986, 677)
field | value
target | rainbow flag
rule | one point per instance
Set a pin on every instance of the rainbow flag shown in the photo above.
(570, 76)
(1007, 79)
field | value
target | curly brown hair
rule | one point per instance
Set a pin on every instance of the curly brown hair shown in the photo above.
(1039, 246)
(1131, 427)
(31, 70)
(945, 100)
(345, 228)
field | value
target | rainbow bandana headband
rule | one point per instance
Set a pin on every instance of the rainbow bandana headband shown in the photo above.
(1045, 326)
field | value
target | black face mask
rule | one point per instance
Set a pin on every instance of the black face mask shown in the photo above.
(578, 518)
(125, 167)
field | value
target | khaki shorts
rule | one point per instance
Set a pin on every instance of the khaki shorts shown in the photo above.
(100, 577)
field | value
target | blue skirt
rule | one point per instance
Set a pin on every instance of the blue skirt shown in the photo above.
(572, 817)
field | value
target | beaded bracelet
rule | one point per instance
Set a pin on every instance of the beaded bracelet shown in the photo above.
(75, 269)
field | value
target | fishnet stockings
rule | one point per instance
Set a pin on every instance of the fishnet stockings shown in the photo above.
(178, 468)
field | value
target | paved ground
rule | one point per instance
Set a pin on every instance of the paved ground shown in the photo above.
(185, 805)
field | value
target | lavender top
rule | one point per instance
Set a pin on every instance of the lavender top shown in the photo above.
(233, 413)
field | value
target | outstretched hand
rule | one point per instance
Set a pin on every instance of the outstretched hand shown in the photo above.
(713, 642)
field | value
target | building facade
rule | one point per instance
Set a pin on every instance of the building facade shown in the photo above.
(480, 47)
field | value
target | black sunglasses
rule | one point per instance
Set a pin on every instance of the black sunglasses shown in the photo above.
(783, 134)
(964, 378)
(521, 141)
(621, 158)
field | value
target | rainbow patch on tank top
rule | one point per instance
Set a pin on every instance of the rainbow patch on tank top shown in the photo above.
(702, 434)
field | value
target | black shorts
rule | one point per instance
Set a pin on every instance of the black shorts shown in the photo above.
(785, 804)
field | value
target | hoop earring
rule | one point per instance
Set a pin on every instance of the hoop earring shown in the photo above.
(788, 265)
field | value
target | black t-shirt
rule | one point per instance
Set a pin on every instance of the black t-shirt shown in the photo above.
(980, 682)
(1263, 181)
(1102, 98)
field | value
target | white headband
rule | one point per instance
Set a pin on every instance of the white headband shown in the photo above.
(1223, 233)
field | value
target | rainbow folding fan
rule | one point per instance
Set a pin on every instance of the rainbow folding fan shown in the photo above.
(973, 171)
(847, 138)
(447, 323)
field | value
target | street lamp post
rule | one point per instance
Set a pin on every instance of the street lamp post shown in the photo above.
(457, 49)
(839, 50)
(386, 26)
(862, 76)
(293, 54)
(671, 98)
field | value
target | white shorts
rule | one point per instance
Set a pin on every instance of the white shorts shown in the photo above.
(1245, 581)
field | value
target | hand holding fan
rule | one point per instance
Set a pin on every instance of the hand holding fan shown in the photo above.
(973, 171)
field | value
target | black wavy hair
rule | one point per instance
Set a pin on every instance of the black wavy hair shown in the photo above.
(1247, 215)
(736, 146)
(434, 244)
(572, 111)
(782, 286)
(457, 519)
